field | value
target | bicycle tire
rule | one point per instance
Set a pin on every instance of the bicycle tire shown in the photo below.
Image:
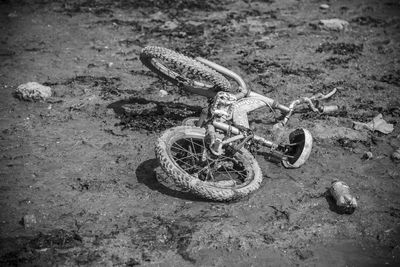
(190, 121)
(184, 71)
(217, 191)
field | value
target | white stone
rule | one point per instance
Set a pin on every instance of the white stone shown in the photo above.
(163, 93)
(29, 220)
(169, 26)
(33, 91)
(324, 6)
(333, 24)
(396, 154)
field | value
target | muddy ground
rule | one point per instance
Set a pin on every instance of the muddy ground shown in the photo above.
(82, 163)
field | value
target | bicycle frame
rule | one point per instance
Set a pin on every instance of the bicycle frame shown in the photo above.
(248, 101)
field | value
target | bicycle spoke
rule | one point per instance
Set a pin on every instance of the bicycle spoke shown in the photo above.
(181, 148)
(188, 157)
(190, 154)
(192, 147)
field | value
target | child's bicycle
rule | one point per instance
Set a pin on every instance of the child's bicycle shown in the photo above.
(209, 156)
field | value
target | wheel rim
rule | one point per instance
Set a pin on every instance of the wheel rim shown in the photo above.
(191, 156)
(192, 80)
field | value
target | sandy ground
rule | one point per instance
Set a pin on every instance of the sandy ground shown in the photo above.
(82, 163)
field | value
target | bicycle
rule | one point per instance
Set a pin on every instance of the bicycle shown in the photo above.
(210, 155)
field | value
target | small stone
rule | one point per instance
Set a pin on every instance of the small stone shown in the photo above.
(367, 155)
(324, 6)
(29, 220)
(333, 24)
(169, 26)
(13, 14)
(396, 154)
(163, 93)
(33, 91)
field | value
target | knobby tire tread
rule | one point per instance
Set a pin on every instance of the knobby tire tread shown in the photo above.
(195, 185)
(182, 62)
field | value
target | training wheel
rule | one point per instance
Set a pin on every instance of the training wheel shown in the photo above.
(300, 144)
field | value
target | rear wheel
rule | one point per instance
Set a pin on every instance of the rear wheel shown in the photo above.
(182, 70)
(183, 156)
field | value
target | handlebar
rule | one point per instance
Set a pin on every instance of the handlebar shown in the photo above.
(244, 91)
(329, 109)
(311, 105)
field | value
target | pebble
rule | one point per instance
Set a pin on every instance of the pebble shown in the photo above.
(163, 93)
(33, 91)
(367, 155)
(333, 24)
(324, 6)
(29, 220)
(169, 26)
(396, 154)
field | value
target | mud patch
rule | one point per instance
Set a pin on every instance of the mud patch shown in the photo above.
(258, 65)
(152, 116)
(333, 62)
(368, 21)
(58, 238)
(391, 78)
(108, 86)
(343, 49)
(308, 72)
(156, 235)
(41, 249)
(94, 185)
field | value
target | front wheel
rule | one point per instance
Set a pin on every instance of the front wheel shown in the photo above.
(183, 156)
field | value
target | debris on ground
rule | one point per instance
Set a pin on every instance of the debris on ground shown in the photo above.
(396, 154)
(33, 91)
(341, 48)
(345, 202)
(377, 124)
(367, 155)
(163, 93)
(333, 24)
(169, 26)
(28, 221)
(324, 6)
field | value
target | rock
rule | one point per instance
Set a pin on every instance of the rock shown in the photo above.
(324, 6)
(333, 24)
(169, 26)
(13, 14)
(163, 93)
(29, 220)
(33, 91)
(159, 16)
(367, 155)
(396, 154)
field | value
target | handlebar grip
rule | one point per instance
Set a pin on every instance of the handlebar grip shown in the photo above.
(329, 109)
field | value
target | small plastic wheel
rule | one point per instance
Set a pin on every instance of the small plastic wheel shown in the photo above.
(299, 148)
